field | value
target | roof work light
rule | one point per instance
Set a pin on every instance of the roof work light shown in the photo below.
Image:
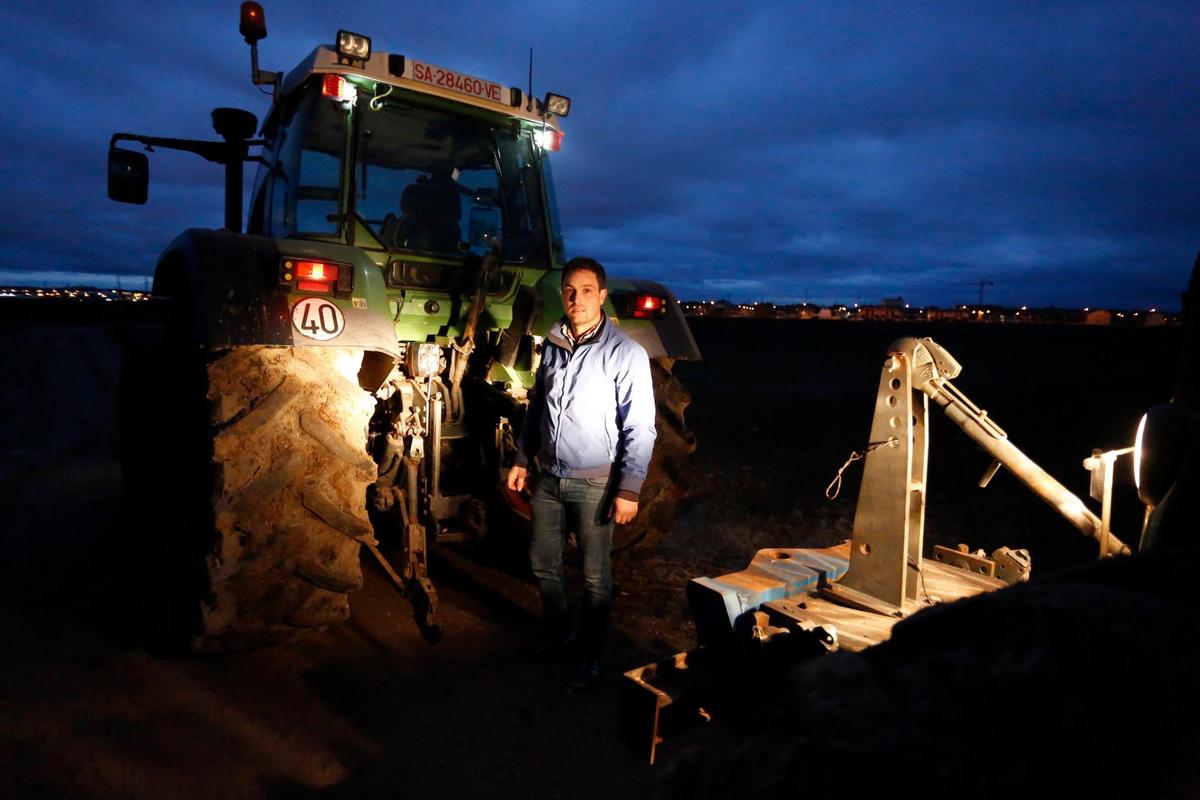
(353, 46)
(556, 104)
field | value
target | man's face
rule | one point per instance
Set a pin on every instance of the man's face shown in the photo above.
(582, 298)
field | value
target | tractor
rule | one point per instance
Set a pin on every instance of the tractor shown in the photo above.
(356, 360)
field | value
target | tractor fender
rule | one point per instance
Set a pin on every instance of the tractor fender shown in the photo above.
(230, 283)
(666, 337)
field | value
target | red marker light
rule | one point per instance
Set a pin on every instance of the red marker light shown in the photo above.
(549, 139)
(334, 86)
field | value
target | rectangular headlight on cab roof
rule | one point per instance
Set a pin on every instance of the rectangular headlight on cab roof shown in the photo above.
(353, 46)
(557, 104)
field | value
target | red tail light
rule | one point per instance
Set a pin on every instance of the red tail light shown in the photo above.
(649, 306)
(316, 271)
(318, 276)
(315, 276)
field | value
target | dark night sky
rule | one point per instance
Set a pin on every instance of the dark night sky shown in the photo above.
(783, 151)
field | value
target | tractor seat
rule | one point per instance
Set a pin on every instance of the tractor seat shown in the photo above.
(430, 220)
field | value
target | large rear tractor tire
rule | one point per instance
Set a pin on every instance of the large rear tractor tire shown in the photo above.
(290, 484)
(261, 527)
(666, 482)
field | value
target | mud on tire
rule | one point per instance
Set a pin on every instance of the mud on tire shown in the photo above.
(290, 473)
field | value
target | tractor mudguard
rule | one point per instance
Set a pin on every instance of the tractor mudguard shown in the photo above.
(237, 297)
(668, 336)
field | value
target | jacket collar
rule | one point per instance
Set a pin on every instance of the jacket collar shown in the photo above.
(558, 337)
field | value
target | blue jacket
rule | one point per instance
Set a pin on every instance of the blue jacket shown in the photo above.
(591, 406)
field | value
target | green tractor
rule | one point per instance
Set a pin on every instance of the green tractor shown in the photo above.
(357, 360)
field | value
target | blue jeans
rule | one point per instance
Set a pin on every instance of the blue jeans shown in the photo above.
(582, 505)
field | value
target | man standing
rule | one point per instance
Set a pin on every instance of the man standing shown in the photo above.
(590, 426)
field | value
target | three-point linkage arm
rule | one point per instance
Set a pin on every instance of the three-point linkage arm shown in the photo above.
(890, 517)
(994, 441)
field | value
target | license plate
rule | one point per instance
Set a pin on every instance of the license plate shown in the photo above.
(455, 81)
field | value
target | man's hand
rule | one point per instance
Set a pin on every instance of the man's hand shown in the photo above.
(623, 510)
(517, 476)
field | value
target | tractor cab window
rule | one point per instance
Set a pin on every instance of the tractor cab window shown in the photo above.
(435, 183)
(301, 187)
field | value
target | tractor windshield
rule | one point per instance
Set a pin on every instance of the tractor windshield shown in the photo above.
(434, 182)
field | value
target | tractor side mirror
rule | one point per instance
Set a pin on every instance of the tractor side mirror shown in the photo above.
(128, 176)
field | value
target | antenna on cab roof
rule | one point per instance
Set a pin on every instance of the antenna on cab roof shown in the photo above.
(529, 94)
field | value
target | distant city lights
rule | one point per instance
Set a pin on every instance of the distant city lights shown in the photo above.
(891, 309)
(895, 309)
(73, 293)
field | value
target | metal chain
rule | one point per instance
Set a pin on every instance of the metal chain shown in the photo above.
(921, 577)
(835, 486)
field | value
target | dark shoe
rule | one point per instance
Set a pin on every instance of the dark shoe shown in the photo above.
(587, 674)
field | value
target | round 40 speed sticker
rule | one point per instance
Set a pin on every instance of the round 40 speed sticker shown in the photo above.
(318, 319)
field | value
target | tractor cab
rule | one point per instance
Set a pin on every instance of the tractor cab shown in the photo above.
(365, 152)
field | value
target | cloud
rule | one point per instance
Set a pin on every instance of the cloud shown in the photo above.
(794, 149)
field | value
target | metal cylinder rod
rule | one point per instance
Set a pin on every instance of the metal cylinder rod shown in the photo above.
(465, 345)
(1106, 506)
(990, 473)
(1026, 470)
(435, 445)
(1104, 462)
(411, 465)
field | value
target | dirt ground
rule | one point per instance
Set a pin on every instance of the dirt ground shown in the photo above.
(369, 708)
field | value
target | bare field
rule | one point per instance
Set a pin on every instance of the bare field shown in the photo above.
(370, 709)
